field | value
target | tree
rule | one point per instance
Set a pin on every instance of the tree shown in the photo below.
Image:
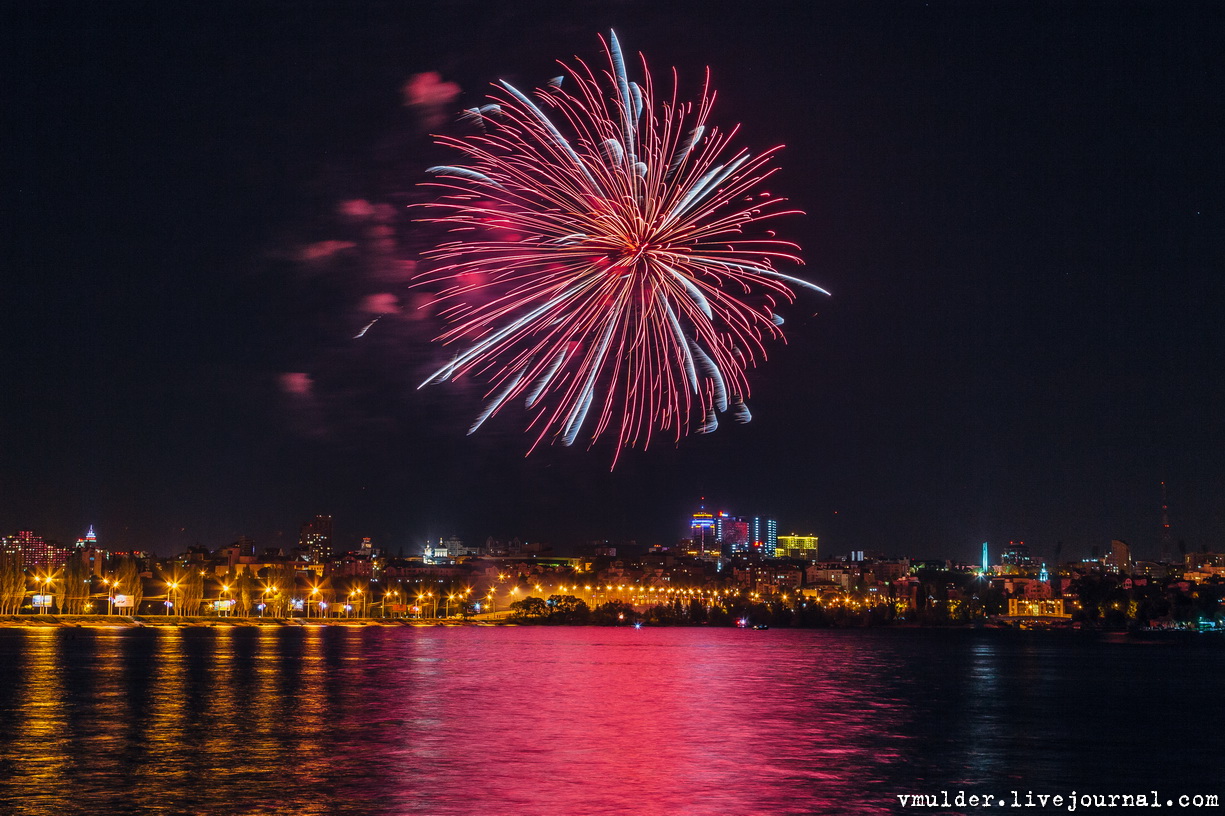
(229, 583)
(128, 582)
(531, 608)
(614, 613)
(191, 591)
(244, 587)
(72, 590)
(568, 609)
(663, 614)
(12, 584)
(278, 587)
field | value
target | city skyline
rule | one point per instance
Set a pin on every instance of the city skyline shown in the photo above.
(1017, 211)
(720, 529)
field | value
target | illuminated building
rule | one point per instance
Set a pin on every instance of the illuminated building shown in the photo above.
(1016, 554)
(797, 546)
(35, 551)
(456, 548)
(732, 534)
(96, 558)
(763, 534)
(90, 540)
(1038, 608)
(316, 538)
(704, 535)
(1119, 557)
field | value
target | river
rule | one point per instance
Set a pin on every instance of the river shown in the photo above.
(558, 720)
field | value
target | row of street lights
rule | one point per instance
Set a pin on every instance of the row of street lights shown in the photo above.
(357, 600)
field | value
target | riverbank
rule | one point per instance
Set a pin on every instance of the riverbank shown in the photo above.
(125, 622)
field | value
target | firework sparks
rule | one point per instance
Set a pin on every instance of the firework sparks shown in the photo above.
(607, 273)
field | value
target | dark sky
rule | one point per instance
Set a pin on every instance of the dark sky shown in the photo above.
(1017, 207)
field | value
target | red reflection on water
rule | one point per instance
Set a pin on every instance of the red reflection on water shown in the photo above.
(450, 721)
(598, 721)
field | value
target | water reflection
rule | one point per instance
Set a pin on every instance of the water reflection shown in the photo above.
(340, 720)
(35, 758)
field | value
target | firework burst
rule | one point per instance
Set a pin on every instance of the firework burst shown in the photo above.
(608, 265)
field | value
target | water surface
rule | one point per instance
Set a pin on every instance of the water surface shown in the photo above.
(544, 720)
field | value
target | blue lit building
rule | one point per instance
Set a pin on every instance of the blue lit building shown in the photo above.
(703, 532)
(763, 533)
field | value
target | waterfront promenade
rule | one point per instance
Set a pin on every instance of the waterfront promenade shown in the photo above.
(126, 622)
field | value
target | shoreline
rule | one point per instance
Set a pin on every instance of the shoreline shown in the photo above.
(125, 622)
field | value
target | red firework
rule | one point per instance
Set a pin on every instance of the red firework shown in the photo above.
(600, 259)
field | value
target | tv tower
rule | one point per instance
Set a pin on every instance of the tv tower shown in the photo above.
(1167, 551)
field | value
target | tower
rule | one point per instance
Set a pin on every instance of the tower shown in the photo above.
(986, 560)
(1167, 550)
(703, 533)
(90, 540)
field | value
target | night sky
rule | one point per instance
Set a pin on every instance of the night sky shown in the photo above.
(1017, 208)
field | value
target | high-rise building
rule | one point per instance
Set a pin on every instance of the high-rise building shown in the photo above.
(703, 533)
(9, 546)
(1119, 557)
(732, 534)
(1167, 548)
(35, 551)
(316, 538)
(763, 535)
(90, 540)
(1016, 554)
(797, 546)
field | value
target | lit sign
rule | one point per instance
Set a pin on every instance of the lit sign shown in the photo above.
(123, 601)
(297, 604)
(224, 606)
(44, 600)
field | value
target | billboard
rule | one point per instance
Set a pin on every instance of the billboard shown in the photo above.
(123, 602)
(44, 600)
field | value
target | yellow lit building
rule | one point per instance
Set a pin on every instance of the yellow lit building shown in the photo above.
(1043, 608)
(797, 546)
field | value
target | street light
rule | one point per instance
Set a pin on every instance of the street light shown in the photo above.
(46, 582)
(170, 588)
